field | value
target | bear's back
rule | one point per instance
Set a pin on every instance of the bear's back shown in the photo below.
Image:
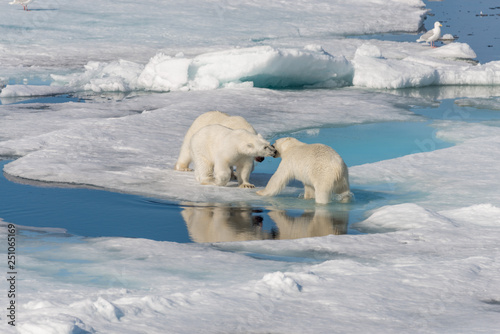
(221, 118)
(238, 122)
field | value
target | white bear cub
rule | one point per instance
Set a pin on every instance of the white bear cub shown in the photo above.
(216, 148)
(317, 166)
(208, 118)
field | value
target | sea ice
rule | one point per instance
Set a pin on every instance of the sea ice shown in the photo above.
(431, 263)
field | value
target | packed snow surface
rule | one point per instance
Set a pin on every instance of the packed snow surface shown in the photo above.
(429, 259)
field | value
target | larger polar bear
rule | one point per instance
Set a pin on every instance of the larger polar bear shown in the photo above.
(215, 149)
(208, 118)
(317, 166)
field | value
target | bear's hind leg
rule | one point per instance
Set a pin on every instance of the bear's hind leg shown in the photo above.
(323, 194)
(308, 192)
(184, 159)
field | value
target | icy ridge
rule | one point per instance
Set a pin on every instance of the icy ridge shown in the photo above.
(371, 66)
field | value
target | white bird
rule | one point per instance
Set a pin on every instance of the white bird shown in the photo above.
(21, 2)
(432, 35)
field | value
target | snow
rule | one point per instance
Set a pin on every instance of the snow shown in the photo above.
(429, 259)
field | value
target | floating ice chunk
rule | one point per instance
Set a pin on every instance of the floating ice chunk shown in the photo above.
(447, 37)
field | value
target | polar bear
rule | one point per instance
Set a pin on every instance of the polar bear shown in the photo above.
(317, 166)
(208, 118)
(216, 148)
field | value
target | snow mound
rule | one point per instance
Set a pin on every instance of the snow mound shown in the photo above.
(481, 214)
(277, 283)
(104, 308)
(401, 217)
(50, 324)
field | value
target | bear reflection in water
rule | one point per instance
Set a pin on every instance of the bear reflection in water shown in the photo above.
(225, 223)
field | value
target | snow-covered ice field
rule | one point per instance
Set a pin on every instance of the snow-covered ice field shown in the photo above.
(418, 127)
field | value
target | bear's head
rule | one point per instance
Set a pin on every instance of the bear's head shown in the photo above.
(282, 144)
(256, 146)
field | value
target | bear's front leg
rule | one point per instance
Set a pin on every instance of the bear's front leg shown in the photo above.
(243, 173)
(203, 171)
(278, 181)
(222, 174)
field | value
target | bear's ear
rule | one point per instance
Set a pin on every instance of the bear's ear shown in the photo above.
(260, 136)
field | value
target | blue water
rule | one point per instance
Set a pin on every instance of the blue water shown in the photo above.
(90, 212)
(449, 111)
(462, 19)
(63, 98)
(366, 143)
